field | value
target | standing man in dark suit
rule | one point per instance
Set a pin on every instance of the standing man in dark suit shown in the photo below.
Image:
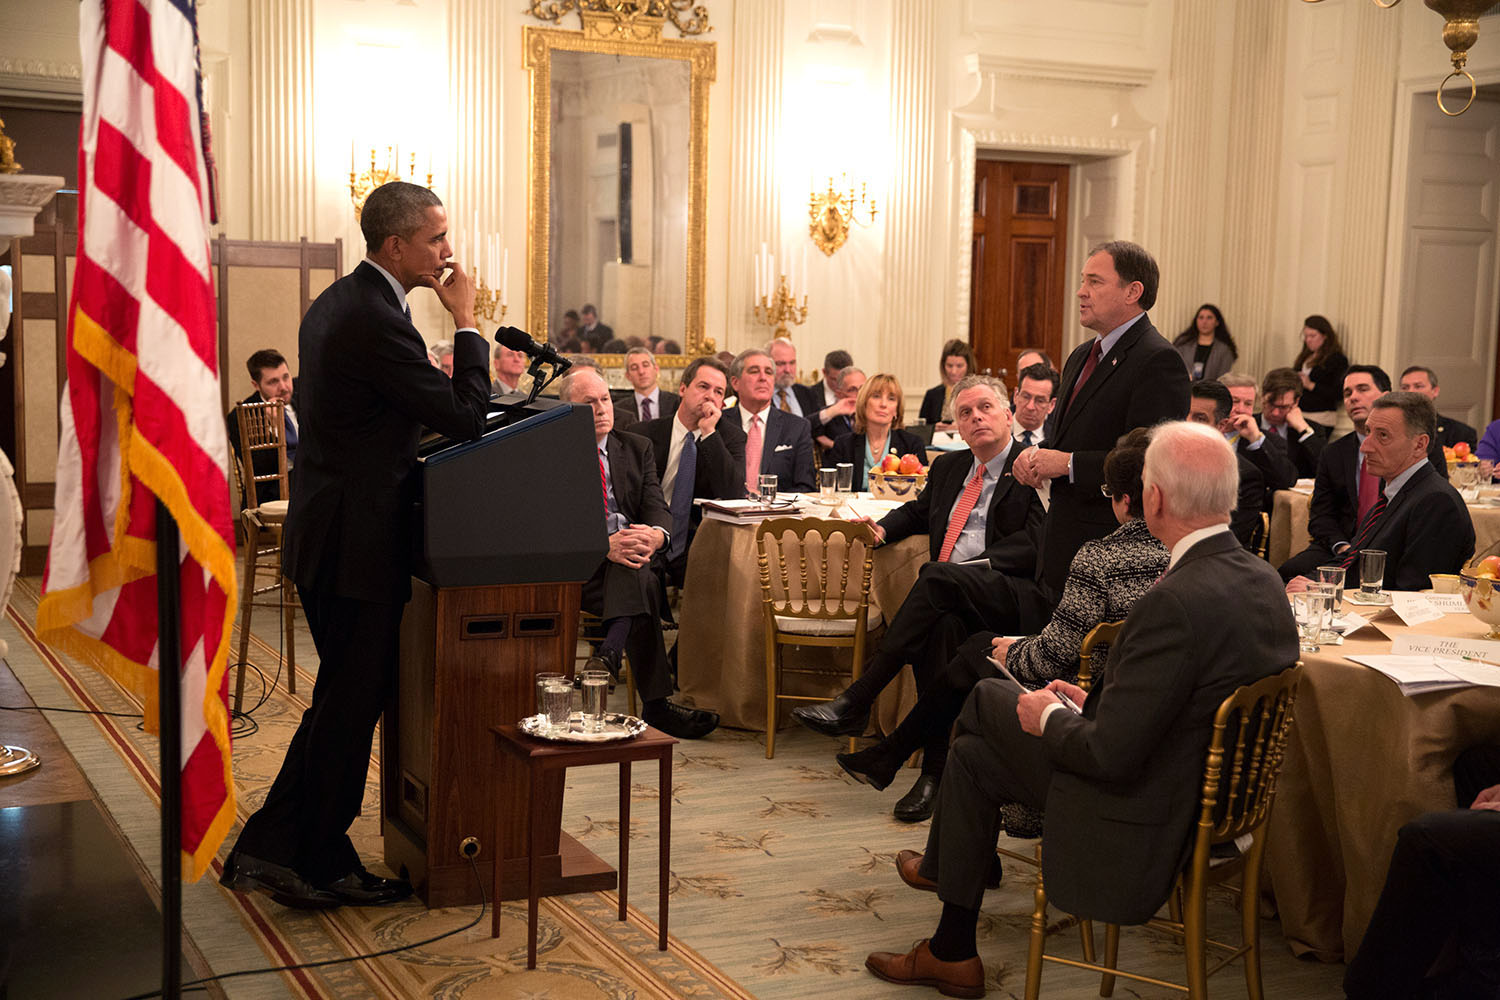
(624, 591)
(273, 380)
(697, 455)
(645, 401)
(776, 443)
(982, 526)
(1280, 393)
(1119, 781)
(597, 334)
(367, 391)
(1418, 520)
(1420, 378)
(1127, 376)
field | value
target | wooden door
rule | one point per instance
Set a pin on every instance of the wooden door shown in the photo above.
(1020, 246)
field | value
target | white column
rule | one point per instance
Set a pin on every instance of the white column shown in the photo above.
(754, 189)
(476, 176)
(281, 153)
(913, 320)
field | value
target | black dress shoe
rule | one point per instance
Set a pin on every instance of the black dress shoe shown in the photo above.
(917, 804)
(679, 720)
(361, 888)
(244, 873)
(870, 766)
(839, 717)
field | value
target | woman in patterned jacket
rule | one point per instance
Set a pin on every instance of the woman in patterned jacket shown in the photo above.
(1105, 579)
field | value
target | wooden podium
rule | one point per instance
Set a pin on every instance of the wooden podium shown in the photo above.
(510, 525)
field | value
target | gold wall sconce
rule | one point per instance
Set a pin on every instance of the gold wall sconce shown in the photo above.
(361, 184)
(1460, 32)
(775, 301)
(831, 212)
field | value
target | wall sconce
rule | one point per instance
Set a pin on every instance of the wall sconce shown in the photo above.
(478, 254)
(1460, 32)
(775, 301)
(360, 185)
(832, 211)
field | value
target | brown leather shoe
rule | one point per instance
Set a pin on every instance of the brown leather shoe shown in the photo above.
(918, 968)
(907, 865)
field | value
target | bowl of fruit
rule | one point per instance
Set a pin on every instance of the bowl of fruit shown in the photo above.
(898, 478)
(1479, 585)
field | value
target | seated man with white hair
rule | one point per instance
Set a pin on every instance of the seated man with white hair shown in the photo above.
(1118, 779)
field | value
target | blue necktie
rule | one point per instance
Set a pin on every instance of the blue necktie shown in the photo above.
(291, 436)
(682, 495)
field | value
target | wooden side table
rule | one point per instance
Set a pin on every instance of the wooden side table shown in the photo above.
(537, 757)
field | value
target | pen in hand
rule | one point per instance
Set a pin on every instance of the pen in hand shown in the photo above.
(1067, 702)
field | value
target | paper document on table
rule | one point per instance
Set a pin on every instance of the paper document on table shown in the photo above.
(745, 511)
(870, 507)
(947, 441)
(1415, 643)
(1419, 674)
(1448, 604)
(1413, 608)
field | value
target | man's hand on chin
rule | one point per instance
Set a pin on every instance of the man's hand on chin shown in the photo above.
(456, 293)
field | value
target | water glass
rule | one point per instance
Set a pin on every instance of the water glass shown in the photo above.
(845, 477)
(1333, 577)
(768, 487)
(542, 681)
(1371, 571)
(595, 697)
(557, 699)
(827, 482)
(1311, 609)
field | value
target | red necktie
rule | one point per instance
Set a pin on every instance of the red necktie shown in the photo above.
(603, 482)
(1369, 489)
(960, 515)
(1367, 526)
(1088, 369)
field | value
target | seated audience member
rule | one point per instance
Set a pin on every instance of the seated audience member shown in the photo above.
(443, 351)
(1281, 416)
(509, 367)
(850, 381)
(632, 342)
(822, 402)
(645, 401)
(776, 443)
(593, 332)
(623, 590)
(1206, 347)
(697, 455)
(982, 528)
(1209, 405)
(878, 418)
(1418, 519)
(956, 361)
(614, 346)
(273, 380)
(1033, 356)
(1488, 449)
(1118, 782)
(1106, 578)
(787, 398)
(1036, 395)
(1419, 378)
(1440, 888)
(569, 328)
(1267, 452)
(668, 347)
(1321, 365)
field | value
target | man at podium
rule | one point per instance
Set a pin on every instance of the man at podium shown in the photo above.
(624, 590)
(366, 392)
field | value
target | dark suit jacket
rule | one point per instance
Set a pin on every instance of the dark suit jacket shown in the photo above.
(265, 461)
(667, 402)
(786, 449)
(932, 404)
(1335, 498)
(600, 335)
(1450, 432)
(851, 448)
(633, 478)
(1426, 529)
(1140, 382)
(720, 471)
(1244, 520)
(367, 391)
(1275, 469)
(810, 397)
(1011, 528)
(1304, 454)
(1124, 794)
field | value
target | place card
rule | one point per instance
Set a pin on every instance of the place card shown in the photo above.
(1413, 643)
(1348, 624)
(1412, 608)
(1448, 604)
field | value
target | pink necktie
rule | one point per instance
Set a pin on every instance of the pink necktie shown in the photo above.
(753, 444)
(960, 516)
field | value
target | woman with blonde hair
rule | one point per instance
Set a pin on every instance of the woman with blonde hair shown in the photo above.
(878, 413)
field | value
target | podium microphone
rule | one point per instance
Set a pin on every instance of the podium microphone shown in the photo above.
(520, 340)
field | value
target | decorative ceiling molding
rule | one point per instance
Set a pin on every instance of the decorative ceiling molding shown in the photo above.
(40, 69)
(1053, 71)
(985, 138)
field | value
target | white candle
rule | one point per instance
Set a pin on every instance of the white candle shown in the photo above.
(764, 255)
(351, 156)
(504, 276)
(804, 272)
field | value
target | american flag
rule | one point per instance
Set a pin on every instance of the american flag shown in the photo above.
(140, 411)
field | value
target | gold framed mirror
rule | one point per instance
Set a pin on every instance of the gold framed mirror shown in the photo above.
(617, 189)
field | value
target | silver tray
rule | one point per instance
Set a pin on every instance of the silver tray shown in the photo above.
(616, 727)
(1381, 600)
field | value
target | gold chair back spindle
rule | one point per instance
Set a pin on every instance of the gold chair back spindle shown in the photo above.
(1104, 634)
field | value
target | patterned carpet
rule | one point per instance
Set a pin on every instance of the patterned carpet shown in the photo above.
(782, 880)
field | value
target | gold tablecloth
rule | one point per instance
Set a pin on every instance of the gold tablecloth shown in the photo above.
(721, 648)
(1362, 760)
(1289, 525)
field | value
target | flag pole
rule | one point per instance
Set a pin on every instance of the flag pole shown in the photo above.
(169, 717)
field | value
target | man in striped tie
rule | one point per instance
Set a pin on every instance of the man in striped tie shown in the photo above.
(982, 526)
(1417, 518)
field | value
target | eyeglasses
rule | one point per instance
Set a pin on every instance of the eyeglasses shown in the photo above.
(1104, 491)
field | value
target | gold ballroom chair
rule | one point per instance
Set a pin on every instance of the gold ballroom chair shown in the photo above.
(1239, 786)
(261, 426)
(814, 612)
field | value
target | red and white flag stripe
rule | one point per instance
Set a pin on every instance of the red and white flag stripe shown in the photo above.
(141, 409)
